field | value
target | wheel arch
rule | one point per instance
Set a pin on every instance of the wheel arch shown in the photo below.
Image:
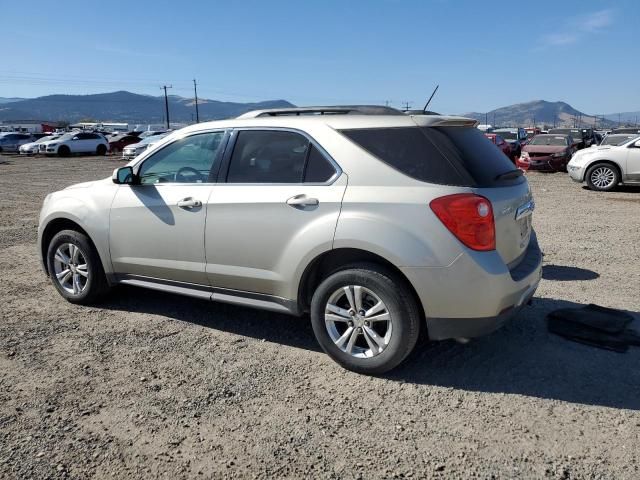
(613, 163)
(335, 260)
(56, 225)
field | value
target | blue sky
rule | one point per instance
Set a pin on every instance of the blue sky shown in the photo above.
(483, 54)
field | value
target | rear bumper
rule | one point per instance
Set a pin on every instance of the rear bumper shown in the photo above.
(476, 294)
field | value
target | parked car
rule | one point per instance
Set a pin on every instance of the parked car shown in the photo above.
(549, 153)
(516, 137)
(33, 148)
(117, 143)
(76, 142)
(616, 139)
(151, 133)
(500, 142)
(11, 141)
(630, 130)
(603, 168)
(583, 137)
(431, 214)
(132, 151)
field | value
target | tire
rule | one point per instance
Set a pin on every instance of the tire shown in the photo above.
(360, 351)
(602, 177)
(92, 284)
(63, 151)
(101, 150)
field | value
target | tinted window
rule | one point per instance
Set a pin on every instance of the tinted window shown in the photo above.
(268, 157)
(319, 169)
(443, 155)
(188, 160)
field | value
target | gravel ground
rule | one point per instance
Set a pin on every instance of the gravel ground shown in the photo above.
(150, 385)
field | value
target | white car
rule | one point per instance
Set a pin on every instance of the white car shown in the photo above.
(12, 141)
(34, 147)
(604, 167)
(76, 142)
(132, 151)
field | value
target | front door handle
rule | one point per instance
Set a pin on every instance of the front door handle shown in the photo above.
(302, 201)
(189, 203)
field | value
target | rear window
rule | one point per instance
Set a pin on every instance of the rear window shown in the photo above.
(459, 156)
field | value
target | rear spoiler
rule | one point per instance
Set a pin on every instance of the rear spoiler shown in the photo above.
(438, 121)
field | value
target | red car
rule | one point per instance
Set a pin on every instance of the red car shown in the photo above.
(501, 143)
(549, 153)
(117, 143)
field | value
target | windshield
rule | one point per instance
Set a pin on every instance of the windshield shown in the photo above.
(508, 135)
(554, 140)
(576, 134)
(152, 139)
(617, 140)
(47, 138)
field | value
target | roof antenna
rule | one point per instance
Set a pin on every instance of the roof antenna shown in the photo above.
(424, 110)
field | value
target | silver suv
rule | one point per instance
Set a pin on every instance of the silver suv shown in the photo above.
(380, 226)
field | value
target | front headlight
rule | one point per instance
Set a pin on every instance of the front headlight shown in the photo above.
(524, 155)
(52, 145)
(558, 155)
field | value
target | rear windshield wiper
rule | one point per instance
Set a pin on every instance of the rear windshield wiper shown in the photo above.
(510, 175)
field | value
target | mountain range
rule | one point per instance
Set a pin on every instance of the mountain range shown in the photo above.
(124, 106)
(541, 112)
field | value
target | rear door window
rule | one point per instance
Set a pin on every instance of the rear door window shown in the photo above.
(459, 156)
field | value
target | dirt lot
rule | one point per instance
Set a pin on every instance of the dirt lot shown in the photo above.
(152, 385)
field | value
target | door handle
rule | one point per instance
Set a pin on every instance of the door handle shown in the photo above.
(189, 203)
(302, 201)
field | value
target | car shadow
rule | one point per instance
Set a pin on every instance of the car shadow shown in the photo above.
(563, 273)
(522, 358)
(632, 189)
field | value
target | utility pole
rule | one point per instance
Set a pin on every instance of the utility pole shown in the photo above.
(166, 103)
(618, 120)
(406, 106)
(195, 92)
(486, 121)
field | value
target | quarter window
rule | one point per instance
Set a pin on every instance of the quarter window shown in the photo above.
(262, 156)
(188, 160)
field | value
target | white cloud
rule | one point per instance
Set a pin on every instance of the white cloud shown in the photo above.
(583, 26)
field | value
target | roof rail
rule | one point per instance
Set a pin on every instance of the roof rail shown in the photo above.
(337, 110)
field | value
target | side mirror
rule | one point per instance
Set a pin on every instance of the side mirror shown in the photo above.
(123, 176)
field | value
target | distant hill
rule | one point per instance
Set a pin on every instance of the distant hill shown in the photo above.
(125, 107)
(624, 117)
(9, 100)
(539, 111)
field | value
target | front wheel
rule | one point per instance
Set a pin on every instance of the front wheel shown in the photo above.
(602, 177)
(101, 150)
(365, 319)
(75, 268)
(63, 151)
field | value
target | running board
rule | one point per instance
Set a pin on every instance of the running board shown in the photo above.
(234, 297)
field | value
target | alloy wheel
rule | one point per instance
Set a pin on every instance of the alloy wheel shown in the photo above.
(603, 177)
(70, 268)
(358, 321)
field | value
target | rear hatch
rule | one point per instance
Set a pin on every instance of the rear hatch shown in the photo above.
(457, 154)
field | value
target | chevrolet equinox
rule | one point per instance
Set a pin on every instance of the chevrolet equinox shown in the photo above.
(377, 224)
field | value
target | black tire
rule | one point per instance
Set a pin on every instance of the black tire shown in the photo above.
(101, 150)
(400, 304)
(607, 171)
(63, 151)
(95, 285)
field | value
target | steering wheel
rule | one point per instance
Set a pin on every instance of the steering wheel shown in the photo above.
(179, 176)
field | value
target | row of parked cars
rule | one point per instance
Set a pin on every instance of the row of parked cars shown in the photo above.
(64, 144)
(603, 162)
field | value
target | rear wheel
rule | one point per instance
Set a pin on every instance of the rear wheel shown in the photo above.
(602, 177)
(365, 319)
(63, 151)
(101, 150)
(75, 268)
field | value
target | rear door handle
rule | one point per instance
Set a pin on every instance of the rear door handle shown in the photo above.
(302, 201)
(189, 203)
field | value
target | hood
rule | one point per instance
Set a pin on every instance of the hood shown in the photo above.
(544, 148)
(89, 184)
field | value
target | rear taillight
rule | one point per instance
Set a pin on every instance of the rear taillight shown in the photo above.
(469, 217)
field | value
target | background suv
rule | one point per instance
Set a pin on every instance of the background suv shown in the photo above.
(378, 226)
(76, 142)
(11, 142)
